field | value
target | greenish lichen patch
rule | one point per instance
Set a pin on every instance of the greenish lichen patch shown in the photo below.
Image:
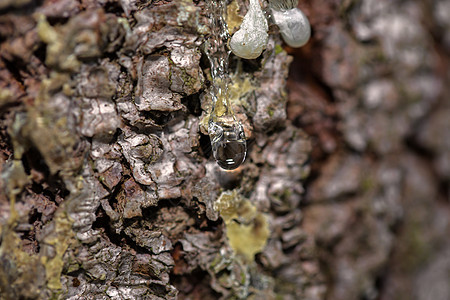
(18, 269)
(278, 49)
(55, 46)
(60, 240)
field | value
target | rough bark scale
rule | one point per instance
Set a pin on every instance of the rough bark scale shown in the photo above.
(109, 189)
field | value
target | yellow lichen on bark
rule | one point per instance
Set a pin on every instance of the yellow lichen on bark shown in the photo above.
(11, 245)
(61, 239)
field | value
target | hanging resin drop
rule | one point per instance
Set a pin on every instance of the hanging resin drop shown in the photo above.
(226, 133)
(228, 144)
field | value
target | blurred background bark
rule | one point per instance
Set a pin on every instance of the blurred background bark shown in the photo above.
(109, 189)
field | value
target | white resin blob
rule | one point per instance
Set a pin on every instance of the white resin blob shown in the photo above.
(294, 26)
(251, 39)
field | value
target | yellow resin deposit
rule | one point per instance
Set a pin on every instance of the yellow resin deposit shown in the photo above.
(247, 228)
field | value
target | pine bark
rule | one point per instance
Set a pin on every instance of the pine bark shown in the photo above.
(109, 189)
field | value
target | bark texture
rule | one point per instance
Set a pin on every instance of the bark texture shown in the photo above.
(109, 189)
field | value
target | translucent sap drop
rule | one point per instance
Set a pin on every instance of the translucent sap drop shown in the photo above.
(228, 145)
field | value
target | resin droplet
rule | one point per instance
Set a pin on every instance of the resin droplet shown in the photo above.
(294, 26)
(228, 145)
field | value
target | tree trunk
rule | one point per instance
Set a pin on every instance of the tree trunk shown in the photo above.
(110, 189)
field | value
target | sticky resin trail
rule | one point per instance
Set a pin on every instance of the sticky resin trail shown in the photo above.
(226, 133)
